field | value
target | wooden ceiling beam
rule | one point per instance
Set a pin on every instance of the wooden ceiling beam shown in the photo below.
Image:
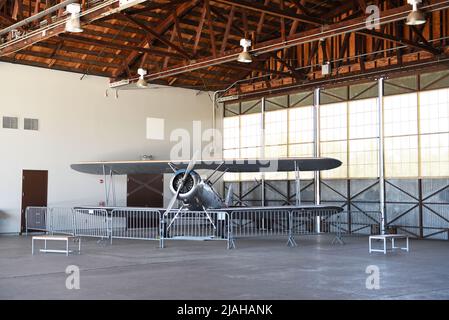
(301, 7)
(227, 30)
(253, 67)
(402, 41)
(72, 49)
(59, 57)
(211, 28)
(297, 74)
(199, 30)
(6, 20)
(339, 10)
(2, 3)
(222, 18)
(149, 6)
(112, 45)
(261, 22)
(271, 10)
(311, 35)
(158, 36)
(350, 76)
(56, 66)
(163, 27)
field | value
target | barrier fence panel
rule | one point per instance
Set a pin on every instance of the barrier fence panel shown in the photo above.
(92, 223)
(303, 222)
(36, 219)
(362, 222)
(253, 223)
(130, 223)
(195, 225)
(61, 220)
(152, 224)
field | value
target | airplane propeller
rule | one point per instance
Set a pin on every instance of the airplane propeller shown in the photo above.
(184, 178)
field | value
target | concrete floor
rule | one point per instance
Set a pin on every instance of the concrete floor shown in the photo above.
(257, 269)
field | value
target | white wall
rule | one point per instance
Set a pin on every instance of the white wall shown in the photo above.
(78, 123)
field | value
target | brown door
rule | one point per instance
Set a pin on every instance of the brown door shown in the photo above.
(34, 191)
(145, 190)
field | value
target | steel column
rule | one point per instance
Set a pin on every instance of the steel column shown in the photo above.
(316, 153)
(262, 155)
(421, 208)
(380, 111)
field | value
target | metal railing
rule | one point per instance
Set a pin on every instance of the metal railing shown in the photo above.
(36, 219)
(155, 224)
(195, 225)
(304, 222)
(141, 224)
(251, 223)
(92, 223)
(61, 220)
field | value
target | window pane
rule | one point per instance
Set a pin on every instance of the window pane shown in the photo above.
(401, 115)
(231, 133)
(251, 153)
(250, 131)
(401, 157)
(363, 119)
(333, 119)
(276, 151)
(434, 111)
(435, 155)
(276, 127)
(363, 158)
(301, 150)
(301, 125)
(231, 154)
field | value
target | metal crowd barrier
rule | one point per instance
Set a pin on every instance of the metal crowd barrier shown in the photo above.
(285, 223)
(303, 222)
(61, 221)
(36, 219)
(154, 224)
(195, 225)
(250, 223)
(141, 224)
(92, 223)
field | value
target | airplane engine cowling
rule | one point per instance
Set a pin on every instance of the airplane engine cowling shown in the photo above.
(190, 188)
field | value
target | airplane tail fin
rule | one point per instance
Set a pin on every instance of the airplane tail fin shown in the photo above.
(229, 196)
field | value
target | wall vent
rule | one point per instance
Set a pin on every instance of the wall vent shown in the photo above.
(31, 124)
(10, 122)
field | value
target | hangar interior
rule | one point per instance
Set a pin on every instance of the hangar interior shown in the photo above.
(414, 146)
(121, 82)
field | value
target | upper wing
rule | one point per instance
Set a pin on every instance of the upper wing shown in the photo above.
(245, 165)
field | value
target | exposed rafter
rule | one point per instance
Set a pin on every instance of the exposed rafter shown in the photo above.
(271, 10)
(195, 43)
